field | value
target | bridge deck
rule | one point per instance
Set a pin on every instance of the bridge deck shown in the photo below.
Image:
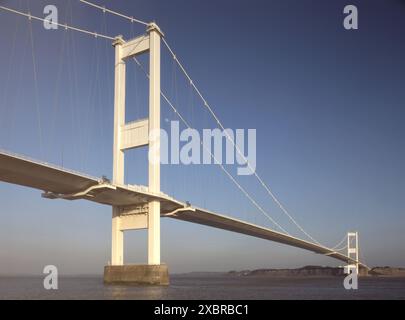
(60, 183)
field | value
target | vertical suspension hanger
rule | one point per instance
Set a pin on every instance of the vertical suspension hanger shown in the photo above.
(56, 104)
(88, 112)
(35, 78)
(7, 107)
(110, 82)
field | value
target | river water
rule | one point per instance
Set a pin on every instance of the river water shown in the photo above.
(205, 286)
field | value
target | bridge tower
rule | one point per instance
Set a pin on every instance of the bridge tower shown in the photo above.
(353, 250)
(133, 135)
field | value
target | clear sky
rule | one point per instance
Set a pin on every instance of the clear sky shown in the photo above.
(327, 103)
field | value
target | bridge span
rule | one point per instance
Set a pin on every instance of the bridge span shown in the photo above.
(61, 183)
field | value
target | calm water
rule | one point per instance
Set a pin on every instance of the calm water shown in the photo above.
(205, 287)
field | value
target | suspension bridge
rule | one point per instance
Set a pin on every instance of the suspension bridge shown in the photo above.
(136, 207)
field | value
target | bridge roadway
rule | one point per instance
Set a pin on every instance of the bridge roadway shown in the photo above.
(60, 183)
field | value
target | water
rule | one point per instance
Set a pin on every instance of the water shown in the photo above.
(200, 287)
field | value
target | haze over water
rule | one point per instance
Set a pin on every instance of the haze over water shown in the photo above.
(205, 287)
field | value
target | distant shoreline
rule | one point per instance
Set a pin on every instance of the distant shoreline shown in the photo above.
(316, 271)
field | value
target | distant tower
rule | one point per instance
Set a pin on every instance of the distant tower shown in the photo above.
(353, 250)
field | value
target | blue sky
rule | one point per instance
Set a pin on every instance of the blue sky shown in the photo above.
(328, 106)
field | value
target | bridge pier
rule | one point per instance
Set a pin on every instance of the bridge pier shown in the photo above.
(137, 275)
(133, 135)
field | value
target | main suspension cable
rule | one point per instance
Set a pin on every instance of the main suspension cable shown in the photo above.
(104, 9)
(212, 155)
(206, 104)
(67, 27)
(340, 243)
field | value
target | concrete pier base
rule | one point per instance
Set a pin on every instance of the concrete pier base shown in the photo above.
(137, 275)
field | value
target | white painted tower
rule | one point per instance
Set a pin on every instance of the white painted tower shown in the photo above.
(145, 132)
(353, 250)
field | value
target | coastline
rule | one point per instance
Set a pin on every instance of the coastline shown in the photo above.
(318, 271)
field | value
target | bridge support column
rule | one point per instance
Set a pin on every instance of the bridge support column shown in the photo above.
(353, 251)
(127, 136)
(117, 241)
(154, 145)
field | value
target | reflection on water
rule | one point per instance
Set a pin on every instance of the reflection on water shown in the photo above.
(211, 286)
(115, 292)
(125, 292)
